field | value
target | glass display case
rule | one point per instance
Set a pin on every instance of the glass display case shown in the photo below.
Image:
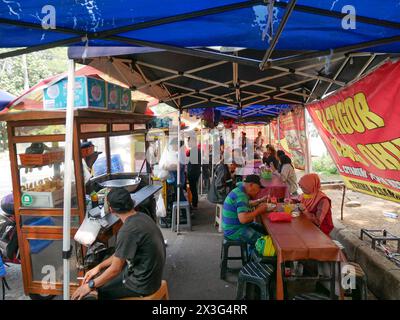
(36, 147)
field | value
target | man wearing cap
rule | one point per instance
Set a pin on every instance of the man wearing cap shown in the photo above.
(137, 265)
(237, 214)
(89, 160)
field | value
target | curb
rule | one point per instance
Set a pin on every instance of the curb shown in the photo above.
(383, 275)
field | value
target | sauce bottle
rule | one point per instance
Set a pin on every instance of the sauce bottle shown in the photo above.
(95, 199)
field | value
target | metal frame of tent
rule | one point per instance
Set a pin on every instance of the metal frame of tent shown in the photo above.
(291, 68)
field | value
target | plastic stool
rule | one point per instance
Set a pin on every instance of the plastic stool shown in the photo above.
(183, 205)
(218, 216)
(226, 244)
(160, 294)
(259, 274)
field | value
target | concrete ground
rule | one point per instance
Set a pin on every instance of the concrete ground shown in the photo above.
(192, 266)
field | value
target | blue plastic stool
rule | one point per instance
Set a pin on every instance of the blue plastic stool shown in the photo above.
(183, 205)
(4, 284)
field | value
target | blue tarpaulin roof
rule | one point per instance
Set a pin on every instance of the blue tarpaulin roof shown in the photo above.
(312, 57)
(250, 112)
(243, 27)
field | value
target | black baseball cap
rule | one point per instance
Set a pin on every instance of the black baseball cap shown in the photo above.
(120, 200)
(253, 178)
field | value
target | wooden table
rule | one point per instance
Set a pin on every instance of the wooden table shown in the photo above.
(299, 240)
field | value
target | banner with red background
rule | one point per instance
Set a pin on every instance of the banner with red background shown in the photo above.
(360, 126)
(292, 135)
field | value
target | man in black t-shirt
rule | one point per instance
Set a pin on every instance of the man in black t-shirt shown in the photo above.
(137, 265)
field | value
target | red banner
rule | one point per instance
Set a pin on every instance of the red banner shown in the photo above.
(360, 126)
(292, 135)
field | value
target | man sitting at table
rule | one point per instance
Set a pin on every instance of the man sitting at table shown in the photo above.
(137, 265)
(314, 203)
(237, 215)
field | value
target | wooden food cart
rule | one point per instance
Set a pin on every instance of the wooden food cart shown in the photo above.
(39, 205)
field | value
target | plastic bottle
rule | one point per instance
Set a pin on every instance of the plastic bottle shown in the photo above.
(95, 199)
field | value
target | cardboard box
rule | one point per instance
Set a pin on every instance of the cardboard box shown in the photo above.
(126, 99)
(89, 93)
(113, 96)
(139, 106)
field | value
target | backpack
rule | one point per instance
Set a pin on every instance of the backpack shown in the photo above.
(218, 188)
(96, 254)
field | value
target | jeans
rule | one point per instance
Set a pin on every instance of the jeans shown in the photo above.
(115, 289)
(251, 234)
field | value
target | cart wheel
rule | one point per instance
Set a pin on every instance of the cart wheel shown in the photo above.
(34, 296)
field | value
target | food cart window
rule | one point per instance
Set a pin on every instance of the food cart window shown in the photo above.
(122, 154)
(121, 127)
(46, 264)
(139, 151)
(41, 171)
(93, 127)
(40, 130)
(41, 221)
(99, 167)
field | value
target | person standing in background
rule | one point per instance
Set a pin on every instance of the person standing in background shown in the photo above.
(194, 171)
(259, 141)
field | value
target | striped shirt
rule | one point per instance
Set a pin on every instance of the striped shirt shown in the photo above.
(237, 201)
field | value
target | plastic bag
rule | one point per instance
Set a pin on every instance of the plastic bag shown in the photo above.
(169, 160)
(265, 247)
(279, 217)
(161, 212)
(160, 173)
(88, 231)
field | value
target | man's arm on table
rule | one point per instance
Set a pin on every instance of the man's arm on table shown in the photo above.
(247, 217)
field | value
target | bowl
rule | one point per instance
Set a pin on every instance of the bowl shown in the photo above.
(271, 206)
(266, 175)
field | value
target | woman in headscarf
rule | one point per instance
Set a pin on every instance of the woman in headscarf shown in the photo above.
(315, 204)
(286, 172)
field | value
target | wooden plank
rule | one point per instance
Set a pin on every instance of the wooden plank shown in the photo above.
(17, 202)
(45, 212)
(81, 113)
(44, 138)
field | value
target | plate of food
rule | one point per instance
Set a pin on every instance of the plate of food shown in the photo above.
(271, 206)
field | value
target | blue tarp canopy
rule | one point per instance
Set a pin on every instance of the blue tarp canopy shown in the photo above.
(252, 113)
(313, 25)
(270, 53)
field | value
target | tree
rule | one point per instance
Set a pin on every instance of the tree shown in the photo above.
(41, 65)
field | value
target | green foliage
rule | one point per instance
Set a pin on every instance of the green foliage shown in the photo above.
(40, 65)
(325, 165)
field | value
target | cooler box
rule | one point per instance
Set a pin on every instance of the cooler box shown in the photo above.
(113, 96)
(89, 93)
(126, 99)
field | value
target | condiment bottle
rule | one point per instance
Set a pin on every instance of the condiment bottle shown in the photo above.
(95, 199)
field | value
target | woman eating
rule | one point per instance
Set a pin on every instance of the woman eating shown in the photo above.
(314, 203)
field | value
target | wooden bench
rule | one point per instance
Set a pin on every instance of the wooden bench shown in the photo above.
(160, 294)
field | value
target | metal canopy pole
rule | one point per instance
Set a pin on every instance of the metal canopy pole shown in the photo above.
(178, 175)
(308, 165)
(68, 166)
(274, 41)
(279, 131)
